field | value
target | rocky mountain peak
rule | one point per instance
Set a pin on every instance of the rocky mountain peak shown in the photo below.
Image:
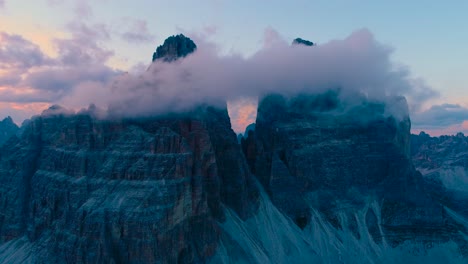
(300, 41)
(174, 47)
(7, 119)
(7, 129)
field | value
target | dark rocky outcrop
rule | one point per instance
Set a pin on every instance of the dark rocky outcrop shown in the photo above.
(431, 153)
(444, 163)
(244, 135)
(129, 191)
(313, 153)
(174, 47)
(299, 41)
(7, 129)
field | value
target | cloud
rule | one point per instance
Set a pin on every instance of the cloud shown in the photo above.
(355, 65)
(24, 95)
(19, 54)
(440, 116)
(2, 3)
(136, 31)
(83, 9)
(84, 45)
(31, 76)
(62, 79)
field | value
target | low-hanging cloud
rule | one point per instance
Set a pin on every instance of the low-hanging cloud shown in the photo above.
(440, 116)
(357, 64)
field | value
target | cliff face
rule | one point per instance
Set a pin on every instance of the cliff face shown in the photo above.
(312, 154)
(443, 161)
(131, 191)
(431, 153)
(7, 129)
(177, 189)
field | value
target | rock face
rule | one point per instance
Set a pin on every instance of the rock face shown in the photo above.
(313, 154)
(298, 41)
(131, 191)
(174, 47)
(430, 153)
(7, 129)
(444, 163)
(177, 189)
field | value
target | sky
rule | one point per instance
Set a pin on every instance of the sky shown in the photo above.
(49, 45)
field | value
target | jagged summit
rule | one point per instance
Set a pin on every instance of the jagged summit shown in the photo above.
(300, 41)
(174, 47)
(56, 110)
(7, 119)
(7, 129)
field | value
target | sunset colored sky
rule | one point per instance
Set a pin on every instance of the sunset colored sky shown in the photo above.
(94, 40)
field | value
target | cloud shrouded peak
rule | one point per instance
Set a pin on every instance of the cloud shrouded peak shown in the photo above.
(358, 66)
(174, 47)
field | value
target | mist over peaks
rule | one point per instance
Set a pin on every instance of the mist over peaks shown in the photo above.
(357, 66)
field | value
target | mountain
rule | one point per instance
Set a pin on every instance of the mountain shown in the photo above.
(174, 47)
(349, 171)
(319, 180)
(7, 129)
(444, 163)
(302, 42)
(244, 135)
(433, 153)
(83, 190)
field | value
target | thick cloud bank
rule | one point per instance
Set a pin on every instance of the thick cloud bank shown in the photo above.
(355, 65)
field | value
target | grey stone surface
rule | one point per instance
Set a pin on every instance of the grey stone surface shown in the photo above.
(313, 152)
(130, 191)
